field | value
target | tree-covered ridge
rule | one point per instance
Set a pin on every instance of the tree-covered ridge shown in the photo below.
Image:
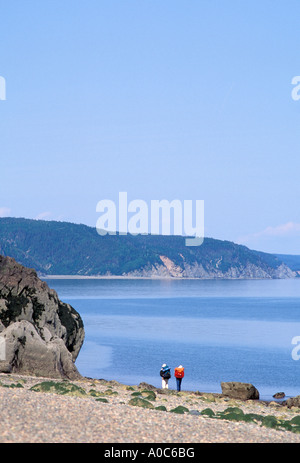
(62, 248)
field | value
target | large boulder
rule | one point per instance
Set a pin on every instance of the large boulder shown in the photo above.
(40, 334)
(240, 391)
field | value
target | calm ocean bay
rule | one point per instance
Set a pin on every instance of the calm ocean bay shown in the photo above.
(219, 330)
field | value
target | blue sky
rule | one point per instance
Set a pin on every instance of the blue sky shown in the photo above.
(163, 100)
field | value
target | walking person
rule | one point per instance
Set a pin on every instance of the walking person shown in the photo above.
(165, 374)
(179, 374)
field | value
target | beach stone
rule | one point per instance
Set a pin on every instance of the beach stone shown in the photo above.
(208, 397)
(147, 386)
(40, 335)
(240, 391)
(195, 412)
(274, 404)
(293, 402)
(279, 395)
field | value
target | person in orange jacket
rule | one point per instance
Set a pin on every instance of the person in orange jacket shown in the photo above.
(179, 374)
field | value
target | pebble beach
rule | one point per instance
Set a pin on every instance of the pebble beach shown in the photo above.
(42, 410)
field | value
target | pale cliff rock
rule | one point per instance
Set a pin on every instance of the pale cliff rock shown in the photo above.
(169, 268)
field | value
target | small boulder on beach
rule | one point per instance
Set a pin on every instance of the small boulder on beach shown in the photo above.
(240, 391)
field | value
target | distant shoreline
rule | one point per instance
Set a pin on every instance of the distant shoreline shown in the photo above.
(127, 277)
(110, 277)
(154, 277)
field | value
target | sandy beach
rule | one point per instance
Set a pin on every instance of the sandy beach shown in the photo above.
(41, 410)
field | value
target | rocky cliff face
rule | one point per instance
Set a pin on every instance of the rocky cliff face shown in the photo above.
(169, 268)
(39, 334)
(41, 243)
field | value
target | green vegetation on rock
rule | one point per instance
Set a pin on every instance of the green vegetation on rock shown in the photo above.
(256, 418)
(236, 410)
(295, 420)
(110, 392)
(62, 388)
(148, 395)
(161, 408)
(13, 385)
(140, 402)
(296, 429)
(95, 393)
(234, 417)
(270, 421)
(208, 412)
(180, 409)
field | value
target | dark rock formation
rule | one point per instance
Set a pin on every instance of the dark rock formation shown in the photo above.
(40, 334)
(292, 402)
(241, 391)
(279, 395)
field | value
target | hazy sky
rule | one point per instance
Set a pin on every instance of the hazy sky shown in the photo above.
(160, 99)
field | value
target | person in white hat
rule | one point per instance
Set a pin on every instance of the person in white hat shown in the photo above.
(165, 374)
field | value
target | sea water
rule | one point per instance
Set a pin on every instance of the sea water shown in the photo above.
(219, 330)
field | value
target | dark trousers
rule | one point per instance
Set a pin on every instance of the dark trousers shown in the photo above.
(178, 382)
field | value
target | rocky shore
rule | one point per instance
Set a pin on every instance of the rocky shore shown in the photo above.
(44, 398)
(47, 410)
